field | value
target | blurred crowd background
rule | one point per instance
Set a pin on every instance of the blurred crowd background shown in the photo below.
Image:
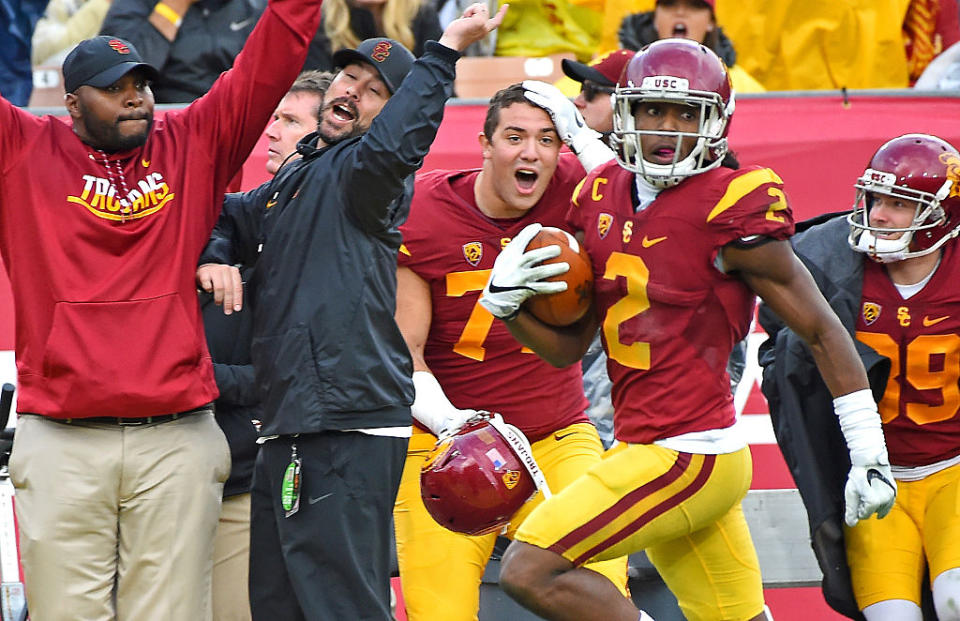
(771, 45)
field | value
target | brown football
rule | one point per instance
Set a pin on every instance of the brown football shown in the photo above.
(566, 307)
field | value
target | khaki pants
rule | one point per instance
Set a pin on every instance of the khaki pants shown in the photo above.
(117, 522)
(231, 561)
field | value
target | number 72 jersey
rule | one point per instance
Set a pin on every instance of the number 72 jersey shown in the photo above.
(450, 244)
(669, 316)
(920, 407)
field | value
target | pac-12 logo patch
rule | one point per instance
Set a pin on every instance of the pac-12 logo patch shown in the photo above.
(473, 252)
(604, 222)
(381, 51)
(511, 478)
(871, 312)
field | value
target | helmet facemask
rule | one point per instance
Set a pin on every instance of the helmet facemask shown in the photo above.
(711, 141)
(928, 215)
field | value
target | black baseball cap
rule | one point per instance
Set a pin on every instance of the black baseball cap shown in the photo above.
(390, 58)
(100, 62)
(605, 70)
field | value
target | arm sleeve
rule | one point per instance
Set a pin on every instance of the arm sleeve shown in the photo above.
(398, 139)
(236, 236)
(229, 119)
(236, 383)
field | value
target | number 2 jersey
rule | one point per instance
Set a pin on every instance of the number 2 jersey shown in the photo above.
(452, 245)
(921, 337)
(670, 317)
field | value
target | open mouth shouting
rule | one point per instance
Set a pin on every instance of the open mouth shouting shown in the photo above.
(342, 111)
(680, 30)
(526, 179)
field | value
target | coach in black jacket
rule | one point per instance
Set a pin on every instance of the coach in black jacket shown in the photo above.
(331, 366)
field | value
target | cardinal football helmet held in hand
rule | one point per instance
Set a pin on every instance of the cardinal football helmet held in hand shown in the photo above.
(919, 168)
(674, 71)
(476, 479)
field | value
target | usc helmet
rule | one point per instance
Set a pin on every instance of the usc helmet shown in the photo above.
(675, 71)
(919, 168)
(476, 479)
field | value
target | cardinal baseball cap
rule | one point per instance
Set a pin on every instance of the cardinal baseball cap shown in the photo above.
(604, 71)
(390, 58)
(100, 62)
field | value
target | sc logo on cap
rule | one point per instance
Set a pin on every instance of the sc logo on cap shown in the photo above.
(381, 51)
(119, 46)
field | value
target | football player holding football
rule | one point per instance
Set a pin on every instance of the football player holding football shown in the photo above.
(681, 241)
(889, 269)
(464, 361)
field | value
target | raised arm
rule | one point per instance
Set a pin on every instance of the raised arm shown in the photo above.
(400, 136)
(774, 272)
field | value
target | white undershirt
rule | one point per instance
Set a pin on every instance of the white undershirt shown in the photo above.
(908, 291)
(645, 192)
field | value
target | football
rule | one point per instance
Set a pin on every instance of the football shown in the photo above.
(566, 307)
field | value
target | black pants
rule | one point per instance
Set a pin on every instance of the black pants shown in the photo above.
(330, 561)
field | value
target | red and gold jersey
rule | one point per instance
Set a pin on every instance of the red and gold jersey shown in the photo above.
(669, 317)
(920, 407)
(452, 245)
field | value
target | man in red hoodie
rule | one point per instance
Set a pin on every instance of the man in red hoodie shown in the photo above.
(118, 462)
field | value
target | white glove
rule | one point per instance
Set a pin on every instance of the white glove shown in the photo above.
(432, 408)
(516, 275)
(870, 485)
(573, 130)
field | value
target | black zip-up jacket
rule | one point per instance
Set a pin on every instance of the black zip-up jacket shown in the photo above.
(228, 338)
(801, 406)
(210, 36)
(327, 352)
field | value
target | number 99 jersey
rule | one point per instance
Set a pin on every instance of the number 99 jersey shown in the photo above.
(670, 317)
(921, 337)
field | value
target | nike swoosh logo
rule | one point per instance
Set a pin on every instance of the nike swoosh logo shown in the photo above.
(875, 474)
(235, 26)
(927, 322)
(314, 501)
(647, 242)
(271, 204)
(559, 436)
(145, 163)
(495, 289)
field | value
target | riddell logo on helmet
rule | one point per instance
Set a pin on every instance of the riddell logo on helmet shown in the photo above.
(119, 46)
(381, 51)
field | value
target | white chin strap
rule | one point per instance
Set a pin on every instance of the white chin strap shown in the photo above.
(665, 176)
(884, 250)
(521, 446)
